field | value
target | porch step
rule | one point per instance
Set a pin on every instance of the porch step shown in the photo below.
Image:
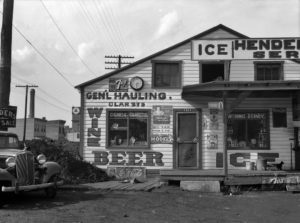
(201, 186)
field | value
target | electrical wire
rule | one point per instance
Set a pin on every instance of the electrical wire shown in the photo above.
(42, 55)
(116, 24)
(94, 22)
(43, 100)
(43, 91)
(66, 39)
(108, 26)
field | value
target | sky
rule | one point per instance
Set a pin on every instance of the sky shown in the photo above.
(58, 44)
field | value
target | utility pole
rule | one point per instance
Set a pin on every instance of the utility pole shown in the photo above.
(119, 62)
(5, 63)
(25, 116)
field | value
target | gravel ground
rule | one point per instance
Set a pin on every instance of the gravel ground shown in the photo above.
(167, 204)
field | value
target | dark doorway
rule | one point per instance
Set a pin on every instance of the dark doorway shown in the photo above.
(212, 72)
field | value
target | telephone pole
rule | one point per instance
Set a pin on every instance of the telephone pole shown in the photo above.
(5, 63)
(119, 62)
(25, 116)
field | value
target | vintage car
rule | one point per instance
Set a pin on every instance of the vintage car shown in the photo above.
(21, 171)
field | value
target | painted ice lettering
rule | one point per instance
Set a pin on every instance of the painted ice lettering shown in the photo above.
(210, 49)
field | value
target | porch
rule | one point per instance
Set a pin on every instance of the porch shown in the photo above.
(234, 177)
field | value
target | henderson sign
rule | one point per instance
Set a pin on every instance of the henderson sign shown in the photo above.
(246, 49)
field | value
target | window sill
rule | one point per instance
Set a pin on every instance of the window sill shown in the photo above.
(248, 148)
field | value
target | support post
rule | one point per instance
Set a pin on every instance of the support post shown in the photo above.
(225, 119)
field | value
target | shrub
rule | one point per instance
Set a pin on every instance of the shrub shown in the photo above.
(74, 169)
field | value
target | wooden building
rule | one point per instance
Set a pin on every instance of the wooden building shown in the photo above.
(166, 112)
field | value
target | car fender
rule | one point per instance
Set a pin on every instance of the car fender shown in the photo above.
(6, 176)
(52, 169)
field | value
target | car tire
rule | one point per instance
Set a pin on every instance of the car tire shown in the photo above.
(51, 191)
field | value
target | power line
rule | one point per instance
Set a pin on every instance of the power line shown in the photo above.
(117, 27)
(87, 12)
(36, 49)
(64, 36)
(47, 102)
(44, 92)
(109, 25)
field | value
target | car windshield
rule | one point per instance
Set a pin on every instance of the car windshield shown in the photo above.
(9, 142)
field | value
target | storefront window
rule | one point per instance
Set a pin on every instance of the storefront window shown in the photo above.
(128, 128)
(248, 130)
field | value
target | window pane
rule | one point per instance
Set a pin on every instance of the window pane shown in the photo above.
(187, 155)
(268, 71)
(248, 130)
(275, 73)
(166, 75)
(279, 117)
(138, 132)
(128, 129)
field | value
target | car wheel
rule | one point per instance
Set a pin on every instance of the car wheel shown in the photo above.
(51, 191)
(3, 198)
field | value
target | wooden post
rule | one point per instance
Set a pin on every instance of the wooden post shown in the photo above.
(5, 63)
(225, 164)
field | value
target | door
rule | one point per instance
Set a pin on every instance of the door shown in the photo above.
(187, 140)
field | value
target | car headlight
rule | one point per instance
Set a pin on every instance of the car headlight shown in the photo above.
(10, 161)
(41, 158)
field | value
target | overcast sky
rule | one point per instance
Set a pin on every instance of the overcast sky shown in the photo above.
(58, 44)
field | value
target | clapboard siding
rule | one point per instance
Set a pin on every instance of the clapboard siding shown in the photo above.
(240, 70)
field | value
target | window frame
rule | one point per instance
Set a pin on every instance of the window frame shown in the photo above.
(269, 63)
(267, 112)
(285, 125)
(226, 65)
(128, 146)
(154, 62)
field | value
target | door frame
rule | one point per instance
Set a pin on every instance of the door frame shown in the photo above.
(199, 144)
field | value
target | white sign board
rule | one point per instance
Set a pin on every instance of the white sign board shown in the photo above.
(246, 49)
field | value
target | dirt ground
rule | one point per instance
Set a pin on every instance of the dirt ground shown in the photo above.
(167, 204)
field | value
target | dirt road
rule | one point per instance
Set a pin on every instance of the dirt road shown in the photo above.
(168, 204)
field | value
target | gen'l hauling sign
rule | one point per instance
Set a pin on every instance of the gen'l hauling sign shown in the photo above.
(246, 49)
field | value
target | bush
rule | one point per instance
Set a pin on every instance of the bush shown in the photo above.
(74, 169)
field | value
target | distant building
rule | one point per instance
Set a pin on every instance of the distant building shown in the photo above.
(35, 128)
(55, 129)
(73, 133)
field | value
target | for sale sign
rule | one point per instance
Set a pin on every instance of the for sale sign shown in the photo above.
(8, 117)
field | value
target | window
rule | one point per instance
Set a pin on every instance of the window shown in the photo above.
(166, 74)
(268, 71)
(212, 72)
(279, 117)
(128, 129)
(248, 130)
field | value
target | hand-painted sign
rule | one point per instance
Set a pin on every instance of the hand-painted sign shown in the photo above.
(94, 133)
(122, 173)
(118, 84)
(161, 138)
(8, 117)
(162, 114)
(121, 158)
(246, 49)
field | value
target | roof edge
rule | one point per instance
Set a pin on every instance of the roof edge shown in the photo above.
(220, 26)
